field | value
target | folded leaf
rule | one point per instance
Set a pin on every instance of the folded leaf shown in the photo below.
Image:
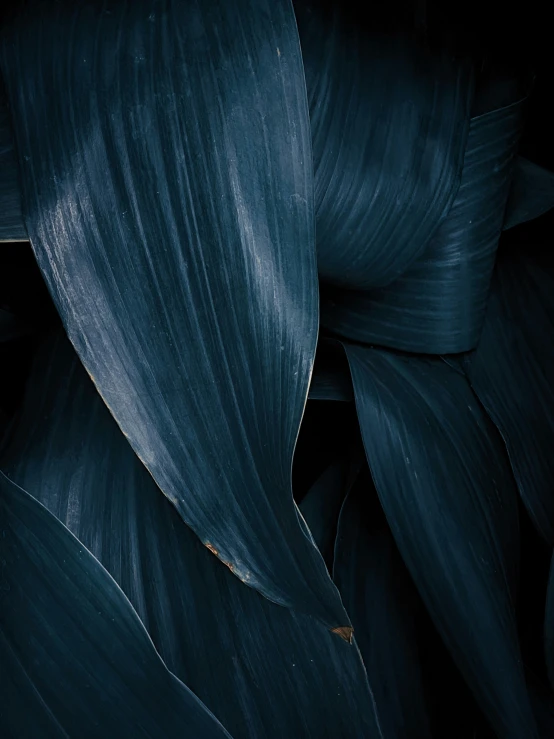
(389, 126)
(169, 205)
(446, 487)
(382, 602)
(76, 659)
(511, 374)
(438, 305)
(264, 670)
(531, 194)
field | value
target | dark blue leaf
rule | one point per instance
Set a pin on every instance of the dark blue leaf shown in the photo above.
(438, 305)
(169, 203)
(445, 484)
(264, 670)
(389, 127)
(512, 372)
(76, 660)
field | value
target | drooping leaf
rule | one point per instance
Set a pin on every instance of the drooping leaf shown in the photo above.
(12, 227)
(531, 193)
(512, 372)
(76, 660)
(438, 304)
(169, 205)
(382, 602)
(445, 484)
(264, 670)
(389, 123)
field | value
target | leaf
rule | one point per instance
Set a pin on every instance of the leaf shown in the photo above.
(438, 305)
(382, 602)
(169, 205)
(78, 662)
(531, 194)
(445, 485)
(389, 125)
(12, 227)
(511, 374)
(265, 671)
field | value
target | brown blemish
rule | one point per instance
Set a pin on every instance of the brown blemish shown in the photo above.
(213, 550)
(345, 632)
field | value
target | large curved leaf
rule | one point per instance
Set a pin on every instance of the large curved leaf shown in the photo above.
(382, 602)
(264, 670)
(169, 205)
(389, 126)
(512, 373)
(76, 660)
(438, 305)
(446, 487)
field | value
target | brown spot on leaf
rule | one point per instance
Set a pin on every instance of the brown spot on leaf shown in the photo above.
(345, 632)
(212, 549)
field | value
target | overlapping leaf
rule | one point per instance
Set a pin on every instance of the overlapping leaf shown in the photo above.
(169, 205)
(265, 671)
(438, 304)
(512, 372)
(389, 126)
(381, 600)
(76, 660)
(445, 485)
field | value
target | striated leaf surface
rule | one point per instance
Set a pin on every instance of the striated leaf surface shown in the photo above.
(446, 487)
(389, 123)
(438, 305)
(512, 372)
(264, 670)
(76, 660)
(169, 205)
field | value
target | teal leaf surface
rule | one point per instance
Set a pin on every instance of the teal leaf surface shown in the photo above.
(438, 305)
(169, 203)
(264, 671)
(512, 374)
(445, 484)
(76, 660)
(389, 123)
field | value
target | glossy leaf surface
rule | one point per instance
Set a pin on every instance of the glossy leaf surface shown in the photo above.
(446, 487)
(264, 670)
(438, 304)
(76, 660)
(389, 126)
(169, 205)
